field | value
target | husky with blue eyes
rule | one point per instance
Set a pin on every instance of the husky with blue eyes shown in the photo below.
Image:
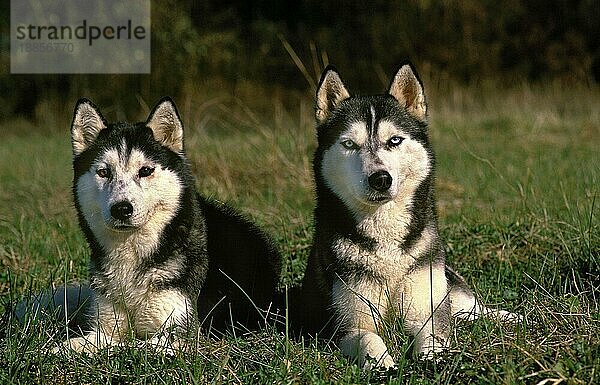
(163, 258)
(376, 249)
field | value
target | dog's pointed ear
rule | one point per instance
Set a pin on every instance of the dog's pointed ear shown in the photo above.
(166, 125)
(408, 90)
(330, 93)
(87, 124)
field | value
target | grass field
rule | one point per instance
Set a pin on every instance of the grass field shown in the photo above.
(517, 185)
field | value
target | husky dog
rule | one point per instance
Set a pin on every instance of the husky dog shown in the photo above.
(376, 249)
(163, 258)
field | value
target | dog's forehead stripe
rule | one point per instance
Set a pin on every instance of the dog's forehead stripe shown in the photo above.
(123, 151)
(373, 143)
(373, 121)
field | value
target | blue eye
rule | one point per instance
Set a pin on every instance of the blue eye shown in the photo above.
(395, 141)
(350, 145)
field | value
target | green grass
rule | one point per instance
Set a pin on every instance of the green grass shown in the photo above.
(517, 184)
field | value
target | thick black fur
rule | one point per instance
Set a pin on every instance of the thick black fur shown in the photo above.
(239, 249)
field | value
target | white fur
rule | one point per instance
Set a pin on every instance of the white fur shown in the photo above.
(373, 116)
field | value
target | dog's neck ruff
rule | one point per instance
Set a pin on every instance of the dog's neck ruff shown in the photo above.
(130, 246)
(390, 220)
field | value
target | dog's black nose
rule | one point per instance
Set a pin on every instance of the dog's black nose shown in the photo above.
(380, 181)
(121, 210)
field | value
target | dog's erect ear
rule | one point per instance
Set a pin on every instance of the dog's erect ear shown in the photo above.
(408, 90)
(87, 124)
(330, 94)
(166, 125)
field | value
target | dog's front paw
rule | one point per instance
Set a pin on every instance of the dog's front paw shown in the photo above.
(384, 361)
(165, 344)
(78, 345)
(430, 347)
(510, 318)
(368, 348)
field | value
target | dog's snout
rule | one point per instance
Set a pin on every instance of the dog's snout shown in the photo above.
(380, 181)
(121, 210)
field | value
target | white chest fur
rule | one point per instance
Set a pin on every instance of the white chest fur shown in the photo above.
(387, 261)
(388, 226)
(134, 292)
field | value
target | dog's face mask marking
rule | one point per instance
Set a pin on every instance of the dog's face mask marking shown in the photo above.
(371, 169)
(128, 191)
(121, 188)
(376, 157)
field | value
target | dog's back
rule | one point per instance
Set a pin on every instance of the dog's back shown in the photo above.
(244, 268)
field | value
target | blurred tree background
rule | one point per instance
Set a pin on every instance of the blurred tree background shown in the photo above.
(214, 46)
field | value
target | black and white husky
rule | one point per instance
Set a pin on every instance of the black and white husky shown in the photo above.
(376, 249)
(163, 258)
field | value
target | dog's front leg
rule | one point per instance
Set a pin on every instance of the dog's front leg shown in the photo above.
(167, 321)
(110, 328)
(426, 308)
(359, 306)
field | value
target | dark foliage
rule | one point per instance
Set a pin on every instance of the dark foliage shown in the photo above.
(207, 44)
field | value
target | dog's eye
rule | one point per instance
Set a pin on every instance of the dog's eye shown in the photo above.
(145, 171)
(350, 145)
(103, 173)
(394, 141)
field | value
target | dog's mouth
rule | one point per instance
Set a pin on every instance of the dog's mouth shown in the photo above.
(121, 227)
(375, 199)
(379, 198)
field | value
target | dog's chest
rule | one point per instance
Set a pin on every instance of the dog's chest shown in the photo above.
(125, 282)
(375, 278)
(385, 261)
(385, 258)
